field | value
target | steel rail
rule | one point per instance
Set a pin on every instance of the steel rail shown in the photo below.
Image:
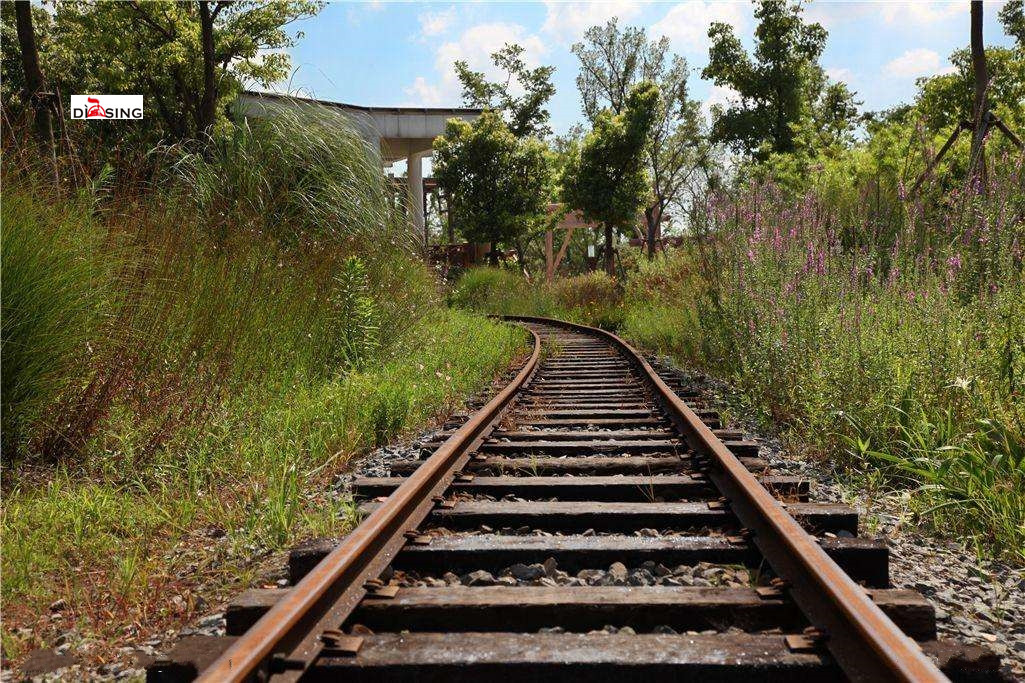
(866, 644)
(287, 640)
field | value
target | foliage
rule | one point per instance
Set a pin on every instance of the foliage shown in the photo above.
(158, 50)
(780, 85)
(588, 297)
(494, 290)
(613, 60)
(904, 361)
(1012, 16)
(356, 317)
(496, 184)
(177, 360)
(12, 73)
(54, 287)
(525, 114)
(946, 100)
(304, 177)
(607, 182)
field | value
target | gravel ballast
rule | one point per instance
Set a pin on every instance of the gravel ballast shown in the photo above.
(978, 601)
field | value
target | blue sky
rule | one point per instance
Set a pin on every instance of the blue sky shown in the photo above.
(401, 53)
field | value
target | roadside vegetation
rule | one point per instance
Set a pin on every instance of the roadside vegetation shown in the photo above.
(198, 336)
(198, 359)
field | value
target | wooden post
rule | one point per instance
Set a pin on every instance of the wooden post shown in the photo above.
(980, 110)
(549, 261)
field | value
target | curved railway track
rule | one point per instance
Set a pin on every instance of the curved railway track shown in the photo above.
(553, 535)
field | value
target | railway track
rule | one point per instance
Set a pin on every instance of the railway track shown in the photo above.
(593, 522)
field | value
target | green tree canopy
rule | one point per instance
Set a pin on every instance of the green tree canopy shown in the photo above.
(1012, 16)
(947, 99)
(496, 184)
(525, 114)
(607, 181)
(612, 60)
(780, 86)
(187, 58)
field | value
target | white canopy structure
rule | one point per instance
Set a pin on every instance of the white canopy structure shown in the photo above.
(399, 132)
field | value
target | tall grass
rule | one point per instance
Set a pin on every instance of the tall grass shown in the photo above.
(894, 349)
(303, 176)
(54, 285)
(903, 353)
(205, 348)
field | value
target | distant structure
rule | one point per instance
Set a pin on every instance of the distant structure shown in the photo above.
(399, 132)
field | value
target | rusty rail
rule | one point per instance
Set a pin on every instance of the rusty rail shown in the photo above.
(305, 623)
(289, 638)
(867, 645)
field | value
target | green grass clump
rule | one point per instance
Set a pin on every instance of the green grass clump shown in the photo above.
(589, 297)
(54, 286)
(206, 352)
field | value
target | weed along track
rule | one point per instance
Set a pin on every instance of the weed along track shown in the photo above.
(589, 523)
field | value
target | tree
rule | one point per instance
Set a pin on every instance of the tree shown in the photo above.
(1012, 16)
(525, 114)
(496, 184)
(948, 99)
(779, 85)
(607, 182)
(186, 57)
(34, 83)
(611, 62)
(980, 105)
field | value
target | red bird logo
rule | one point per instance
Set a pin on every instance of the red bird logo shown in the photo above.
(95, 110)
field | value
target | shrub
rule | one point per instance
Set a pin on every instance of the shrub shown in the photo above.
(495, 290)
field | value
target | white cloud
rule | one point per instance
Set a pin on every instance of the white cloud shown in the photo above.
(840, 73)
(686, 24)
(423, 94)
(913, 14)
(474, 46)
(831, 14)
(917, 62)
(921, 13)
(433, 23)
(567, 21)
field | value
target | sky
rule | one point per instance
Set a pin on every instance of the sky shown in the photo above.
(401, 53)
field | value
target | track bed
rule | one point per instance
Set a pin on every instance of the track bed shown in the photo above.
(591, 523)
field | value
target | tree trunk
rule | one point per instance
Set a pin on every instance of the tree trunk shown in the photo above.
(35, 85)
(652, 236)
(610, 257)
(521, 256)
(980, 110)
(208, 105)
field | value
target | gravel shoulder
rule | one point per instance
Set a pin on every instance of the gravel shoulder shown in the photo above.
(977, 600)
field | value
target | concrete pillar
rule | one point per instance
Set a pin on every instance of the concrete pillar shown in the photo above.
(415, 178)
